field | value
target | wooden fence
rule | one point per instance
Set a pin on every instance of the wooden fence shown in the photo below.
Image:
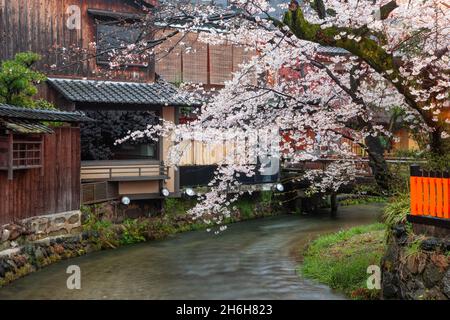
(51, 189)
(430, 193)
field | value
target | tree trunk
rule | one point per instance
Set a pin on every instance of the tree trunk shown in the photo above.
(334, 204)
(378, 163)
(436, 145)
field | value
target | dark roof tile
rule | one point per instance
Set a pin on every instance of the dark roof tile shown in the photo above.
(14, 112)
(159, 93)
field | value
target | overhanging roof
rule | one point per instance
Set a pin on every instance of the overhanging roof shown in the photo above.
(159, 93)
(24, 126)
(21, 113)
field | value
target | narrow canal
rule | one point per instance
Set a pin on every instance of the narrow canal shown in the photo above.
(251, 260)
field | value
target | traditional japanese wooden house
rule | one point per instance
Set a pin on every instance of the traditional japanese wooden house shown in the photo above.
(39, 162)
(74, 38)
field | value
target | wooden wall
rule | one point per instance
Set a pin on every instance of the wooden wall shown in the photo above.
(58, 190)
(197, 153)
(41, 26)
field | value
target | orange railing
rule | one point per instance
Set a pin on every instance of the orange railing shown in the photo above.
(430, 193)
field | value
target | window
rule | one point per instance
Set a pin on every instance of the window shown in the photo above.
(98, 138)
(113, 43)
(135, 151)
(19, 152)
(26, 152)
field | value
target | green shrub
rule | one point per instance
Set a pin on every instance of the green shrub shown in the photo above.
(245, 206)
(134, 231)
(102, 232)
(173, 206)
(437, 162)
(266, 198)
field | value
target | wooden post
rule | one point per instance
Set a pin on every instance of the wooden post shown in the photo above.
(415, 185)
(42, 155)
(10, 156)
(446, 195)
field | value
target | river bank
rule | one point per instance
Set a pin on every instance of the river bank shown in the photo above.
(251, 260)
(340, 260)
(100, 232)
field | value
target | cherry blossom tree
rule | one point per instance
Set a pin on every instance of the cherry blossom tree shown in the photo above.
(396, 56)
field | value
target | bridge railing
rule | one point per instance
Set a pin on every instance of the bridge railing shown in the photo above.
(430, 193)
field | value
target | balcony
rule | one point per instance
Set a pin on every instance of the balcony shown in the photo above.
(123, 170)
(129, 170)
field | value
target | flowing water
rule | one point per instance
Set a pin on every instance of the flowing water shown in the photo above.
(251, 260)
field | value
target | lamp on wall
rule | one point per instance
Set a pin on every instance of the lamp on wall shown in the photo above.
(279, 187)
(165, 192)
(125, 200)
(190, 192)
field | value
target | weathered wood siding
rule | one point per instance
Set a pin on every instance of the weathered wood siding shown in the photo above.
(41, 26)
(57, 190)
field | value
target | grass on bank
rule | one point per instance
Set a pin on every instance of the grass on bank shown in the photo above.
(340, 260)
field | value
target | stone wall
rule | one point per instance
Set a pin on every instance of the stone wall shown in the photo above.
(21, 232)
(18, 262)
(416, 266)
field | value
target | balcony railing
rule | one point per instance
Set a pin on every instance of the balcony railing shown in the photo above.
(123, 171)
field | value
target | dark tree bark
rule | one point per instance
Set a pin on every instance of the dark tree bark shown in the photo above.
(378, 163)
(334, 204)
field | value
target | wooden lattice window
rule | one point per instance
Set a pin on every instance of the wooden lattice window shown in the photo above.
(19, 153)
(27, 154)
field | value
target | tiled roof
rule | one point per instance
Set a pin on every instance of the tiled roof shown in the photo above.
(24, 126)
(14, 112)
(159, 93)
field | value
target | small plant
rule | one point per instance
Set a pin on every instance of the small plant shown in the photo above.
(101, 231)
(266, 198)
(245, 206)
(395, 213)
(396, 210)
(133, 231)
(413, 248)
